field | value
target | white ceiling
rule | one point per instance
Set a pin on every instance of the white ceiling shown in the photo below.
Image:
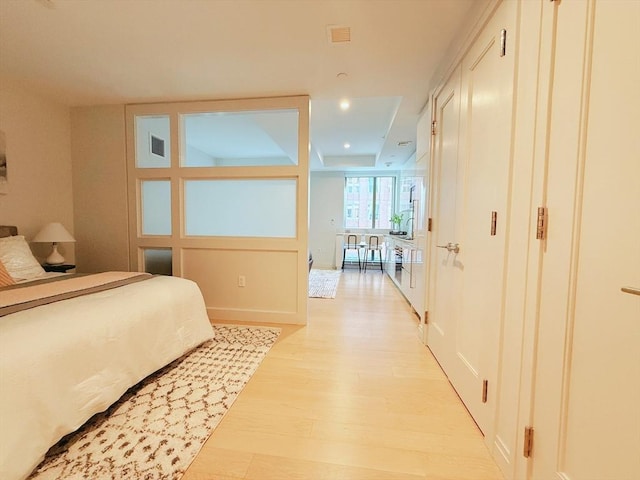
(90, 52)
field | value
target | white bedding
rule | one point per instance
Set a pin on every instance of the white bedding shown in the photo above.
(64, 362)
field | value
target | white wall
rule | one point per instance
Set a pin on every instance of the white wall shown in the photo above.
(326, 216)
(38, 141)
(100, 188)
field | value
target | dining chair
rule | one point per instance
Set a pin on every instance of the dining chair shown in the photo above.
(351, 244)
(373, 246)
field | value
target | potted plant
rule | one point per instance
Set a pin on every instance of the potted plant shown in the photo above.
(396, 221)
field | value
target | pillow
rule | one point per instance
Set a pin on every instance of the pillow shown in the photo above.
(17, 258)
(5, 278)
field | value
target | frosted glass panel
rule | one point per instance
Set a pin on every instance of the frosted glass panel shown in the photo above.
(240, 139)
(241, 208)
(156, 207)
(158, 261)
(153, 147)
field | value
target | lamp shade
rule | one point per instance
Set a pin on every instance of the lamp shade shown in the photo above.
(53, 233)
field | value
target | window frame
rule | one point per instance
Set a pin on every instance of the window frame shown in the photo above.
(375, 213)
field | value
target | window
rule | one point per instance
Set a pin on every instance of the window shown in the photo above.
(265, 208)
(368, 202)
(156, 207)
(152, 141)
(240, 139)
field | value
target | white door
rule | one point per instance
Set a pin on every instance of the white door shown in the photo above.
(586, 411)
(487, 90)
(445, 272)
(471, 187)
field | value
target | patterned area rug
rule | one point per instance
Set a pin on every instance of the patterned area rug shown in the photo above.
(158, 426)
(323, 283)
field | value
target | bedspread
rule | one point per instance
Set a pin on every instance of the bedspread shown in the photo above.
(23, 296)
(63, 362)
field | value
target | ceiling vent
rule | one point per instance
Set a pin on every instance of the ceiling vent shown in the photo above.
(339, 34)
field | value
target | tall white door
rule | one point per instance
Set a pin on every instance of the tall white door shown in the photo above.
(445, 272)
(487, 93)
(586, 410)
(471, 189)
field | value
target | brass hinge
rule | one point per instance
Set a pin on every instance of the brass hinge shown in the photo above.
(485, 390)
(541, 229)
(503, 42)
(433, 127)
(528, 442)
(494, 223)
(426, 317)
(429, 224)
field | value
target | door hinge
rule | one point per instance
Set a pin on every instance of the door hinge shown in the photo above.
(541, 229)
(528, 442)
(429, 224)
(494, 223)
(503, 42)
(485, 390)
(433, 127)
(426, 317)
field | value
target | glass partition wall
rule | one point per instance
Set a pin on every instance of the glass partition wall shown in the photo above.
(218, 193)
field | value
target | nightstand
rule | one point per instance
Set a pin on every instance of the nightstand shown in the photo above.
(58, 268)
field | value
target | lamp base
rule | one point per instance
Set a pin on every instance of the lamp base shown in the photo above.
(55, 258)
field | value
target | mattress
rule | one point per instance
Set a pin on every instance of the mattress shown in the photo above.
(63, 362)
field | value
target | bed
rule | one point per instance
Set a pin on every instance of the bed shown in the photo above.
(79, 344)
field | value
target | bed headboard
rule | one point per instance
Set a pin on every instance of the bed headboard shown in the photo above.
(8, 230)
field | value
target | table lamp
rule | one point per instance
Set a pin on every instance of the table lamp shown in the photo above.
(54, 233)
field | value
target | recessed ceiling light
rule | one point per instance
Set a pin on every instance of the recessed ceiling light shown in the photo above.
(347, 145)
(345, 104)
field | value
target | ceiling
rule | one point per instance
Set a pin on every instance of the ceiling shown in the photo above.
(92, 52)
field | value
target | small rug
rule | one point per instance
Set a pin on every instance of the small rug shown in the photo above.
(323, 283)
(158, 426)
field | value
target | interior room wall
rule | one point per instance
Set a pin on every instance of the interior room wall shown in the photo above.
(100, 188)
(231, 228)
(38, 146)
(326, 216)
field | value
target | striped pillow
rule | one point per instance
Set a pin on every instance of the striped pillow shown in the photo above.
(5, 278)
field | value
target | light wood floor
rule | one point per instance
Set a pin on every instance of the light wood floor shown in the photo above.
(354, 394)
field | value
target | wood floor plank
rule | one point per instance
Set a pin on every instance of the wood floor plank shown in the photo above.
(219, 463)
(398, 438)
(265, 467)
(353, 394)
(325, 451)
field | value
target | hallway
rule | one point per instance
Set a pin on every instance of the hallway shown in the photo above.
(352, 395)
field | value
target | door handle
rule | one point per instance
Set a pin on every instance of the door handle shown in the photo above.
(631, 290)
(451, 247)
